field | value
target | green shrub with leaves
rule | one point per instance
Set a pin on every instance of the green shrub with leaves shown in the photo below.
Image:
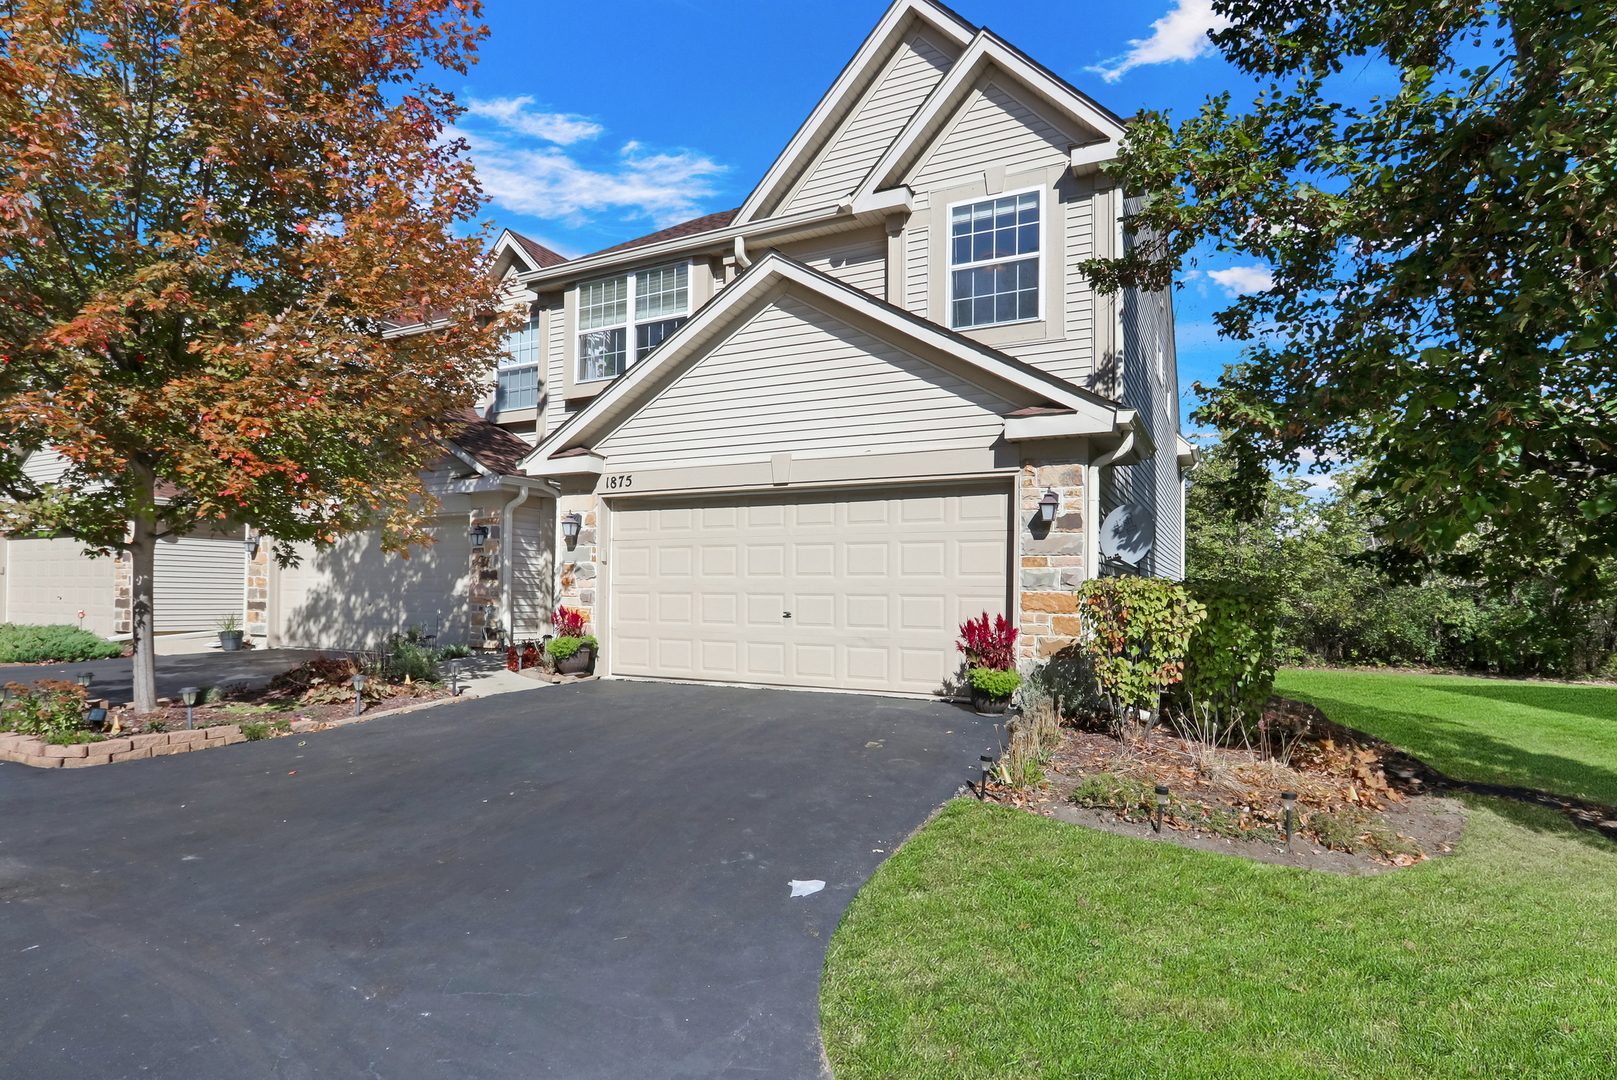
(560, 648)
(51, 709)
(63, 644)
(1137, 631)
(1109, 791)
(1231, 660)
(994, 683)
(253, 730)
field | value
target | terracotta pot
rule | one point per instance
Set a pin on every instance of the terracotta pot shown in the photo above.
(578, 663)
(230, 640)
(985, 704)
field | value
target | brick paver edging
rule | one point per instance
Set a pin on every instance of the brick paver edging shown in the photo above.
(31, 750)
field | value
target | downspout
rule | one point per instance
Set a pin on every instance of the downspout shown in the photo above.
(741, 254)
(1092, 491)
(508, 562)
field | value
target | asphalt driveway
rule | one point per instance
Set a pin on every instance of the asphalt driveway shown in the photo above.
(587, 881)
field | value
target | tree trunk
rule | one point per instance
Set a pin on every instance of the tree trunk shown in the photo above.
(143, 553)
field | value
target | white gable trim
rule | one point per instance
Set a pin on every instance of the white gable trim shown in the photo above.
(775, 272)
(988, 54)
(839, 102)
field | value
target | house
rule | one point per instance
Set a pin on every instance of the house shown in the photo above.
(797, 443)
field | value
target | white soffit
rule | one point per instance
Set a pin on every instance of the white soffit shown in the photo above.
(764, 280)
(839, 103)
(988, 54)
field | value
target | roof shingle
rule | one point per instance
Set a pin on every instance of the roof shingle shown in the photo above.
(542, 255)
(674, 232)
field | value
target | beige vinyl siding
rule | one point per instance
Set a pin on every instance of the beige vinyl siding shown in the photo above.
(555, 368)
(917, 259)
(196, 581)
(796, 379)
(531, 555)
(861, 260)
(915, 69)
(352, 595)
(50, 581)
(45, 466)
(996, 127)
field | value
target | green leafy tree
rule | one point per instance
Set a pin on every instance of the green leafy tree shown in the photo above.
(213, 217)
(1137, 631)
(1443, 304)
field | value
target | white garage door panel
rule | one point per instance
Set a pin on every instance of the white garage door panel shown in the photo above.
(876, 584)
(51, 581)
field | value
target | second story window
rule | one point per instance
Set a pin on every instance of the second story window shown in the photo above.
(994, 261)
(518, 379)
(633, 311)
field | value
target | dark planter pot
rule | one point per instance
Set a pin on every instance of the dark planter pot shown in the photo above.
(578, 663)
(230, 640)
(985, 704)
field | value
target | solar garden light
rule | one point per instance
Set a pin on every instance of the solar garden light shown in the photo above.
(454, 677)
(359, 682)
(1048, 506)
(985, 763)
(1289, 800)
(96, 717)
(85, 679)
(1162, 804)
(189, 694)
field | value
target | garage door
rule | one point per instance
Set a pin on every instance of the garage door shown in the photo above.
(51, 581)
(853, 591)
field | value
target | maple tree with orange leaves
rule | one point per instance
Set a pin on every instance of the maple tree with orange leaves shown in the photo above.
(215, 218)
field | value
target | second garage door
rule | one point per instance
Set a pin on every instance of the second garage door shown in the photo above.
(858, 591)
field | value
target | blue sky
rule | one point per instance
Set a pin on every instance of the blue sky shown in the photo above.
(594, 123)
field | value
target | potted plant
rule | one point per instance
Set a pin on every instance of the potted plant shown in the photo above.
(230, 633)
(990, 649)
(572, 651)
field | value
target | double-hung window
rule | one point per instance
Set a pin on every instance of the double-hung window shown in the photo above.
(994, 261)
(518, 378)
(633, 311)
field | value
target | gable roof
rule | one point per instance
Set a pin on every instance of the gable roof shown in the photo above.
(850, 87)
(513, 250)
(487, 445)
(706, 223)
(542, 256)
(626, 394)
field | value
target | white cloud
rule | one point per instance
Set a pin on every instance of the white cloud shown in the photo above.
(1238, 280)
(1179, 35)
(513, 114)
(547, 183)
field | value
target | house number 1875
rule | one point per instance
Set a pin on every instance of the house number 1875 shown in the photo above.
(616, 483)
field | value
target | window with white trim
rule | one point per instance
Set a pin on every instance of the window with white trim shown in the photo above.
(994, 261)
(645, 306)
(518, 378)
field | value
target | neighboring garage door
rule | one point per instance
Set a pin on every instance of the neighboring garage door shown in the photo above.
(196, 581)
(876, 584)
(51, 581)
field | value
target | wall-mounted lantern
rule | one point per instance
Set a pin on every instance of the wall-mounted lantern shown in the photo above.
(250, 545)
(479, 535)
(1048, 506)
(571, 523)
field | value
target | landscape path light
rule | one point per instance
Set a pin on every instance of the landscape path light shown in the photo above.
(1163, 795)
(86, 678)
(359, 682)
(188, 694)
(454, 677)
(1288, 799)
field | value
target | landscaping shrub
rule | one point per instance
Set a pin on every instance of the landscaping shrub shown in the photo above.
(1108, 791)
(560, 648)
(1230, 660)
(1353, 830)
(1067, 681)
(62, 644)
(1138, 632)
(991, 646)
(253, 730)
(52, 709)
(411, 661)
(569, 622)
(454, 652)
(995, 683)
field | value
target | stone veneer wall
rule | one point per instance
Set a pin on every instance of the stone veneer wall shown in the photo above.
(484, 615)
(1052, 565)
(256, 622)
(577, 567)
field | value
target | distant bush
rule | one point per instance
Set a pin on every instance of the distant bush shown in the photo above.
(64, 644)
(52, 709)
(254, 730)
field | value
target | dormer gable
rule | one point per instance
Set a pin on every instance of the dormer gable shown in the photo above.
(517, 254)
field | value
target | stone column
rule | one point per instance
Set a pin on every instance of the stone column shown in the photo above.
(485, 581)
(1052, 557)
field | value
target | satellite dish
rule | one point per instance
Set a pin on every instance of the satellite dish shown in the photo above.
(1125, 535)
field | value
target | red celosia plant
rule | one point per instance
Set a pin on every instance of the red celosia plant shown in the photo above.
(530, 655)
(989, 646)
(512, 661)
(568, 622)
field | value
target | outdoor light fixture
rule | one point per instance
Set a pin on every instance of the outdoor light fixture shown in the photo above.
(250, 545)
(86, 678)
(479, 535)
(1048, 506)
(7, 695)
(96, 716)
(454, 678)
(985, 763)
(1289, 800)
(1162, 804)
(359, 682)
(188, 694)
(571, 523)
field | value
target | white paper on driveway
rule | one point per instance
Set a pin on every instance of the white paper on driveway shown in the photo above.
(805, 888)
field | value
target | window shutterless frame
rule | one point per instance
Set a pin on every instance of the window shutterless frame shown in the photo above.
(622, 319)
(517, 385)
(994, 249)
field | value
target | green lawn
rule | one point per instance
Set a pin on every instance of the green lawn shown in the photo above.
(1550, 736)
(999, 944)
